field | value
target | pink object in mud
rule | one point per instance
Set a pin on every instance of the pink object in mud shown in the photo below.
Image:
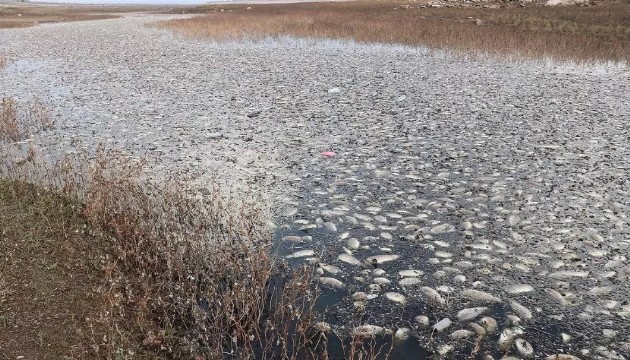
(329, 153)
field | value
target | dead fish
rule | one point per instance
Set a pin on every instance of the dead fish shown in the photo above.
(331, 282)
(422, 320)
(506, 339)
(353, 244)
(367, 330)
(402, 334)
(488, 323)
(293, 239)
(330, 226)
(301, 253)
(514, 320)
(568, 274)
(562, 357)
(524, 348)
(396, 297)
(349, 259)
(461, 334)
(518, 288)
(478, 329)
(521, 310)
(442, 325)
(600, 290)
(379, 259)
(410, 273)
(330, 268)
(432, 296)
(556, 296)
(442, 228)
(409, 281)
(290, 212)
(470, 313)
(480, 296)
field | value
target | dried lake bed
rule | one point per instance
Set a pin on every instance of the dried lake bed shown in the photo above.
(475, 206)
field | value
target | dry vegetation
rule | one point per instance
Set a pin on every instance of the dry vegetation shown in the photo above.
(25, 15)
(600, 32)
(18, 123)
(100, 261)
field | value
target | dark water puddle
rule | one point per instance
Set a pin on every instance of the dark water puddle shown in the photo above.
(332, 306)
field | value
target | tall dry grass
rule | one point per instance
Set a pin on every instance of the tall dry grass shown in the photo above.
(189, 271)
(577, 33)
(18, 123)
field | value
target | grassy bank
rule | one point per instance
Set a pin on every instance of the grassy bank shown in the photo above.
(101, 261)
(587, 33)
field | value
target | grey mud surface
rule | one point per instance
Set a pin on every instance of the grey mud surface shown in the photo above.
(504, 184)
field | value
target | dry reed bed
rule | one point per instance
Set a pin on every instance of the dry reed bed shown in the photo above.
(25, 15)
(181, 275)
(578, 33)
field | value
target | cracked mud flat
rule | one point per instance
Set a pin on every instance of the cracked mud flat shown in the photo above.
(476, 206)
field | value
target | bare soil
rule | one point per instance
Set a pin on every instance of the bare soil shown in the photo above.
(51, 277)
